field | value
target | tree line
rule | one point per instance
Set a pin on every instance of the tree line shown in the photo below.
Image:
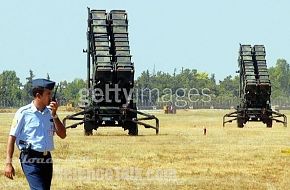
(187, 88)
(14, 93)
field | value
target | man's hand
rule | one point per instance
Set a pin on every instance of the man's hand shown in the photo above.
(59, 127)
(9, 171)
(54, 106)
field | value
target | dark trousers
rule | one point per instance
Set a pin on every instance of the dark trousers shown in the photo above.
(38, 169)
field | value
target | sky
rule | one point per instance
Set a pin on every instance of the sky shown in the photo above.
(49, 36)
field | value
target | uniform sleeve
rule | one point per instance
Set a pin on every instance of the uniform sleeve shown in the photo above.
(17, 124)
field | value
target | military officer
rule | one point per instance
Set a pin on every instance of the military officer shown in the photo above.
(33, 128)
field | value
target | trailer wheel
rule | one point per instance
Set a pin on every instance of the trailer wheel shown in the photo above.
(88, 128)
(129, 124)
(88, 132)
(269, 123)
(133, 128)
(240, 122)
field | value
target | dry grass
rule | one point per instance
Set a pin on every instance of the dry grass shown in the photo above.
(226, 158)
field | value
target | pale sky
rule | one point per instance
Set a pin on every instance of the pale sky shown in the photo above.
(48, 36)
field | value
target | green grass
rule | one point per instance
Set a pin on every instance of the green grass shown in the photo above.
(254, 157)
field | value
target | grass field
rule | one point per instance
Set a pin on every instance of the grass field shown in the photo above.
(180, 157)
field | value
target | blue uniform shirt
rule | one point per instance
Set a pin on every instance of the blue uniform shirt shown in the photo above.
(34, 127)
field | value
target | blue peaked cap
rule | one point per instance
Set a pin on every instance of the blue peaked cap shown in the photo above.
(43, 83)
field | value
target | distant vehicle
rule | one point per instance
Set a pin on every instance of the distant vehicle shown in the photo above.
(169, 109)
(254, 90)
(109, 66)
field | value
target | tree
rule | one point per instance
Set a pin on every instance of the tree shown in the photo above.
(10, 89)
(280, 78)
(27, 89)
(229, 86)
(70, 91)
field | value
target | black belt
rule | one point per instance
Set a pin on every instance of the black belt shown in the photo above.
(35, 154)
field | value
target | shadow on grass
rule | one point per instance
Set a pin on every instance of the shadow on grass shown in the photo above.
(123, 135)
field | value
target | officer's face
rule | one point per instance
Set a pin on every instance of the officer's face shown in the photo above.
(45, 98)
